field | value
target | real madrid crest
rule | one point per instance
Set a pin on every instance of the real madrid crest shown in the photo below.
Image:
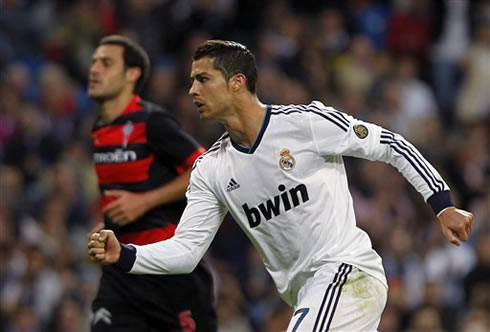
(361, 131)
(286, 162)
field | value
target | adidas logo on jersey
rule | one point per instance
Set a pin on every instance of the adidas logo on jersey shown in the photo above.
(232, 185)
(272, 207)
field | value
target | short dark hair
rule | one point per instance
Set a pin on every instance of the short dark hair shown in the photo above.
(230, 58)
(134, 56)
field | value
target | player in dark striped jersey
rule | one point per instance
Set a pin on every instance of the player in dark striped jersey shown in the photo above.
(143, 160)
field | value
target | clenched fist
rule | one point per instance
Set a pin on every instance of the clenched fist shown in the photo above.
(456, 224)
(103, 247)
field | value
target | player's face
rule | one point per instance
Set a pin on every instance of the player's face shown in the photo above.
(210, 91)
(107, 75)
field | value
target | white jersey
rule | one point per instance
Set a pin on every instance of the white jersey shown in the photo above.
(289, 194)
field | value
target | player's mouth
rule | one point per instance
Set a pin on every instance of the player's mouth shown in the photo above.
(199, 106)
(92, 83)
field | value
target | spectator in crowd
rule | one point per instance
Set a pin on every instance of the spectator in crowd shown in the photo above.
(36, 34)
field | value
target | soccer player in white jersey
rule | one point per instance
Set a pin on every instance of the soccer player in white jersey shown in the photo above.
(279, 171)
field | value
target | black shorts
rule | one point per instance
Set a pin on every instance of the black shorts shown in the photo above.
(144, 303)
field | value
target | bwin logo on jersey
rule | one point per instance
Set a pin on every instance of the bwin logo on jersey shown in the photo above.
(272, 207)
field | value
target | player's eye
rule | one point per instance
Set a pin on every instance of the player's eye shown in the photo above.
(106, 62)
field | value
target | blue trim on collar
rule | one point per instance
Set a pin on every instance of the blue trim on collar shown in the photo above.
(265, 123)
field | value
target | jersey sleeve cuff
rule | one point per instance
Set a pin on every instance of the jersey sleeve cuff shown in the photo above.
(127, 257)
(187, 164)
(439, 201)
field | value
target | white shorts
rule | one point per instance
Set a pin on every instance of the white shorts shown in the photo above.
(339, 298)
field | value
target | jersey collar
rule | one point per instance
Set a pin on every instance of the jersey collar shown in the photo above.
(265, 123)
(133, 105)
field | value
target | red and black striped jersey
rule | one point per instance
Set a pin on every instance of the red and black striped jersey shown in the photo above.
(142, 149)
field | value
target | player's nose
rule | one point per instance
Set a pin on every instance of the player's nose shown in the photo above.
(92, 73)
(193, 89)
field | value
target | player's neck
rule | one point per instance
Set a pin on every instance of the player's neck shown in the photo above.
(245, 123)
(110, 109)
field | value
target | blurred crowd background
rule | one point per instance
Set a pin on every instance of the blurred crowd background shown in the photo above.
(417, 67)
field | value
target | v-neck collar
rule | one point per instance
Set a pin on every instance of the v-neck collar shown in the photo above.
(265, 123)
(134, 105)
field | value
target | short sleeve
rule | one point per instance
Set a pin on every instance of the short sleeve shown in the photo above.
(170, 141)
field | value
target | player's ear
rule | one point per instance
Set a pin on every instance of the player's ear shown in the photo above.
(238, 81)
(133, 74)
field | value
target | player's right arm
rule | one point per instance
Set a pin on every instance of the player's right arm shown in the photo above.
(181, 253)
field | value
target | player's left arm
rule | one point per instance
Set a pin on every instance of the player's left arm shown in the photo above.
(172, 144)
(456, 224)
(341, 134)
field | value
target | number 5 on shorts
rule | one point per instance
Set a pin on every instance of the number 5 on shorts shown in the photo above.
(187, 323)
(302, 312)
